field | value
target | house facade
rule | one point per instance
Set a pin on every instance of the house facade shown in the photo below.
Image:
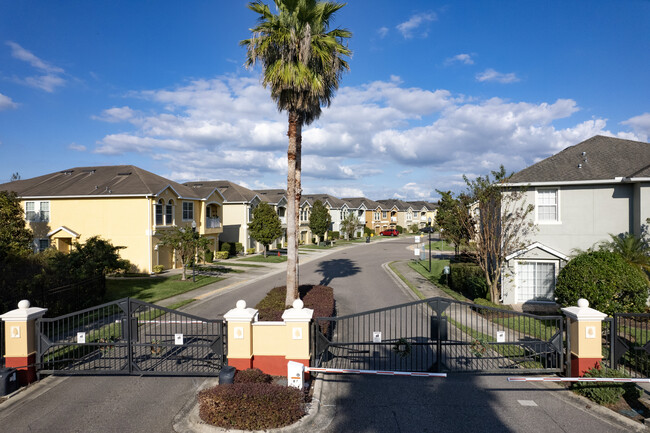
(126, 205)
(580, 195)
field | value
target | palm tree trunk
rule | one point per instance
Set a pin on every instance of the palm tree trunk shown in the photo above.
(293, 204)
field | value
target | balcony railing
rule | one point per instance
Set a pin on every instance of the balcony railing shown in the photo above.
(212, 223)
(393, 219)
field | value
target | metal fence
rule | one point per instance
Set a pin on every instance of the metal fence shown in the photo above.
(631, 344)
(441, 335)
(606, 339)
(2, 344)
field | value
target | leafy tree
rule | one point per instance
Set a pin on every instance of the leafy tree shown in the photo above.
(634, 249)
(349, 225)
(497, 221)
(15, 176)
(606, 280)
(320, 219)
(15, 237)
(185, 242)
(451, 212)
(414, 228)
(302, 62)
(266, 225)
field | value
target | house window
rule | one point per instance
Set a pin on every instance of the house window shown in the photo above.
(536, 281)
(376, 216)
(384, 214)
(547, 205)
(159, 212)
(37, 211)
(188, 210)
(169, 213)
(41, 245)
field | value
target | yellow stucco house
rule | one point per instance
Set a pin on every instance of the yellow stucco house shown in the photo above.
(123, 204)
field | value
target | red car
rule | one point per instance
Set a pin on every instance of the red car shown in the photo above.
(390, 232)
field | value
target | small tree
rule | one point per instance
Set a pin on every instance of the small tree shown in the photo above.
(349, 225)
(497, 220)
(451, 212)
(15, 237)
(414, 228)
(185, 243)
(320, 219)
(266, 225)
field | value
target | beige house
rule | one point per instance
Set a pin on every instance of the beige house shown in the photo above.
(123, 204)
(581, 195)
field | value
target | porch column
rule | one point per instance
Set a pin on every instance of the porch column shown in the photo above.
(20, 340)
(297, 321)
(585, 326)
(240, 335)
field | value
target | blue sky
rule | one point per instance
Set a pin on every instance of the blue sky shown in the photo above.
(436, 90)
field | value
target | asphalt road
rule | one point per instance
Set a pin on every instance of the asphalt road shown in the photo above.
(356, 404)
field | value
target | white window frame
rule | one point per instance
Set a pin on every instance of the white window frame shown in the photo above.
(188, 211)
(169, 206)
(38, 214)
(37, 244)
(558, 219)
(519, 275)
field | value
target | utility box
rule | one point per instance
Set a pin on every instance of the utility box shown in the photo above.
(8, 381)
(295, 375)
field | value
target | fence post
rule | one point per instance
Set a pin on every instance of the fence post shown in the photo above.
(21, 340)
(240, 335)
(585, 328)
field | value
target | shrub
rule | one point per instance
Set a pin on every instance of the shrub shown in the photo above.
(252, 375)
(367, 231)
(251, 406)
(605, 392)
(225, 246)
(222, 255)
(400, 229)
(250, 251)
(414, 228)
(468, 279)
(334, 235)
(209, 256)
(606, 280)
(318, 298)
(239, 248)
(158, 269)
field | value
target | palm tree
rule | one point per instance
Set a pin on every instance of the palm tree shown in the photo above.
(302, 62)
(634, 249)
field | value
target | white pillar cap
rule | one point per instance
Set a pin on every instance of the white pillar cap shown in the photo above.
(582, 313)
(24, 313)
(241, 313)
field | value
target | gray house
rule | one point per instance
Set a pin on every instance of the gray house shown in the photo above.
(581, 195)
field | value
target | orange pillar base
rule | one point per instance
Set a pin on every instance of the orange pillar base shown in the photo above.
(580, 365)
(25, 368)
(241, 363)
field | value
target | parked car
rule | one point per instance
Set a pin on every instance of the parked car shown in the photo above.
(428, 229)
(389, 232)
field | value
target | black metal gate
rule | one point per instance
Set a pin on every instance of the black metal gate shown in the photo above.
(630, 343)
(131, 337)
(440, 335)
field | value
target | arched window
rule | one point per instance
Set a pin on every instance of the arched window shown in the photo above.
(159, 212)
(169, 213)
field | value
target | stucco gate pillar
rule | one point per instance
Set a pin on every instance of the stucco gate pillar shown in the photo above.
(240, 335)
(585, 326)
(20, 340)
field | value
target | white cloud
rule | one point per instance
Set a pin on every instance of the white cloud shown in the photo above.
(116, 114)
(383, 32)
(465, 59)
(52, 74)
(6, 103)
(640, 124)
(416, 25)
(499, 77)
(77, 147)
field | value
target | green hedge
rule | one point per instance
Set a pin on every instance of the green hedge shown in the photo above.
(605, 392)
(606, 280)
(222, 255)
(468, 279)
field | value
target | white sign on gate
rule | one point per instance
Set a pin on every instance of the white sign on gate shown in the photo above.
(501, 336)
(178, 339)
(376, 337)
(81, 337)
(417, 239)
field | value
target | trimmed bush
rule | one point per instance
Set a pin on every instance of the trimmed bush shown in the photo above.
(333, 235)
(209, 256)
(318, 298)
(251, 406)
(225, 246)
(605, 392)
(158, 269)
(367, 231)
(468, 279)
(222, 255)
(400, 229)
(606, 280)
(252, 375)
(239, 248)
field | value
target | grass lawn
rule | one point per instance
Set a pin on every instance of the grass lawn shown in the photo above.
(243, 265)
(437, 245)
(260, 258)
(437, 267)
(155, 288)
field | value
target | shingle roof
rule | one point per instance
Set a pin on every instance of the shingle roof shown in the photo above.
(231, 191)
(271, 195)
(335, 203)
(97, 181)
(355, 202)
(393, 202)
(598, 158)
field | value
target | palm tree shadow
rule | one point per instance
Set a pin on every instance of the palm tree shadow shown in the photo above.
(337, 268)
